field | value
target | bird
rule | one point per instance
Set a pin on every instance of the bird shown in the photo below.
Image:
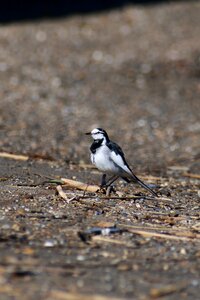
(109, 158)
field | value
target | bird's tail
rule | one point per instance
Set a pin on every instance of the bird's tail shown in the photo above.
(140, 182)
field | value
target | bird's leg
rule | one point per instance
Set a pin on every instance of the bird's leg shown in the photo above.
(103, 180)
(126, 179)
(108, 184)
(109, 187)
(111, 180)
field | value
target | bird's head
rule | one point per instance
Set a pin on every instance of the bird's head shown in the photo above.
(99, 134)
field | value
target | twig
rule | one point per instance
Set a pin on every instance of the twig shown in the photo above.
(61, 295)
(14, 156)
(158, 228)
(169, 232)
(80, 185)
(191, 175)
(159, 199)
(196, 226)
(131, 197)
(63, 195)
(167, 289)
(178, 168)
(162, 235)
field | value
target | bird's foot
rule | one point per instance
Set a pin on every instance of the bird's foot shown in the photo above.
(103, 186)
(109, 190)
(103, 189)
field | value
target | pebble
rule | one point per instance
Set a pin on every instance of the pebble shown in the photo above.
(50, 243)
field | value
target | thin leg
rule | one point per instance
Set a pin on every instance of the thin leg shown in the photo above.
(103, 180)
(126, 179)
(111, 180)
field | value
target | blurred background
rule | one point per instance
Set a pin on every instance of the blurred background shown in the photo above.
(130, 67)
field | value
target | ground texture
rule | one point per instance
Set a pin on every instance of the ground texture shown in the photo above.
(135, 71)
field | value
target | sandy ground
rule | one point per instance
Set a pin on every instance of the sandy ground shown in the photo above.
(135, 71)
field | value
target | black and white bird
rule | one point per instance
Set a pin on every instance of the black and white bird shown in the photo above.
(109, 158)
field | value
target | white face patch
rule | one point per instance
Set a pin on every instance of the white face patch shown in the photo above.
(97, 134)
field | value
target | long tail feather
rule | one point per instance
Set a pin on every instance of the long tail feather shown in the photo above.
(140, 182)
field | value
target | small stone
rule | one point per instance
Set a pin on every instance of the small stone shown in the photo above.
(50, 243)
(80, 258)
(183, 251)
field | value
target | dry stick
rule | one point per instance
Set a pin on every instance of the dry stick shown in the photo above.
(14, 156)
(61, 295)
(167, 214)
(159, 199)
(165, 236)
(80, 185)
(168, 289)
(192, 175)
(196, 226)
(164, 228)
(63, 195)
(179, 232)
(137, 197)
(130, 198)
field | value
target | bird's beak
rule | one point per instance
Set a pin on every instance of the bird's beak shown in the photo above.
(88, 133)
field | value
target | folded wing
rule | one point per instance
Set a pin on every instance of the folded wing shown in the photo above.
(117, 156)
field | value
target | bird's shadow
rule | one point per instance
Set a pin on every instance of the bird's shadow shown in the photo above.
(20, 10)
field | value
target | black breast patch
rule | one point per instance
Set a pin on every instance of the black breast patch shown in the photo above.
(95, 145)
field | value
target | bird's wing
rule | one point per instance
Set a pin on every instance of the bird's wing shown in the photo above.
(117, 156)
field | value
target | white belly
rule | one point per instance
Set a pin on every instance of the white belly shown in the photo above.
(101, 159)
